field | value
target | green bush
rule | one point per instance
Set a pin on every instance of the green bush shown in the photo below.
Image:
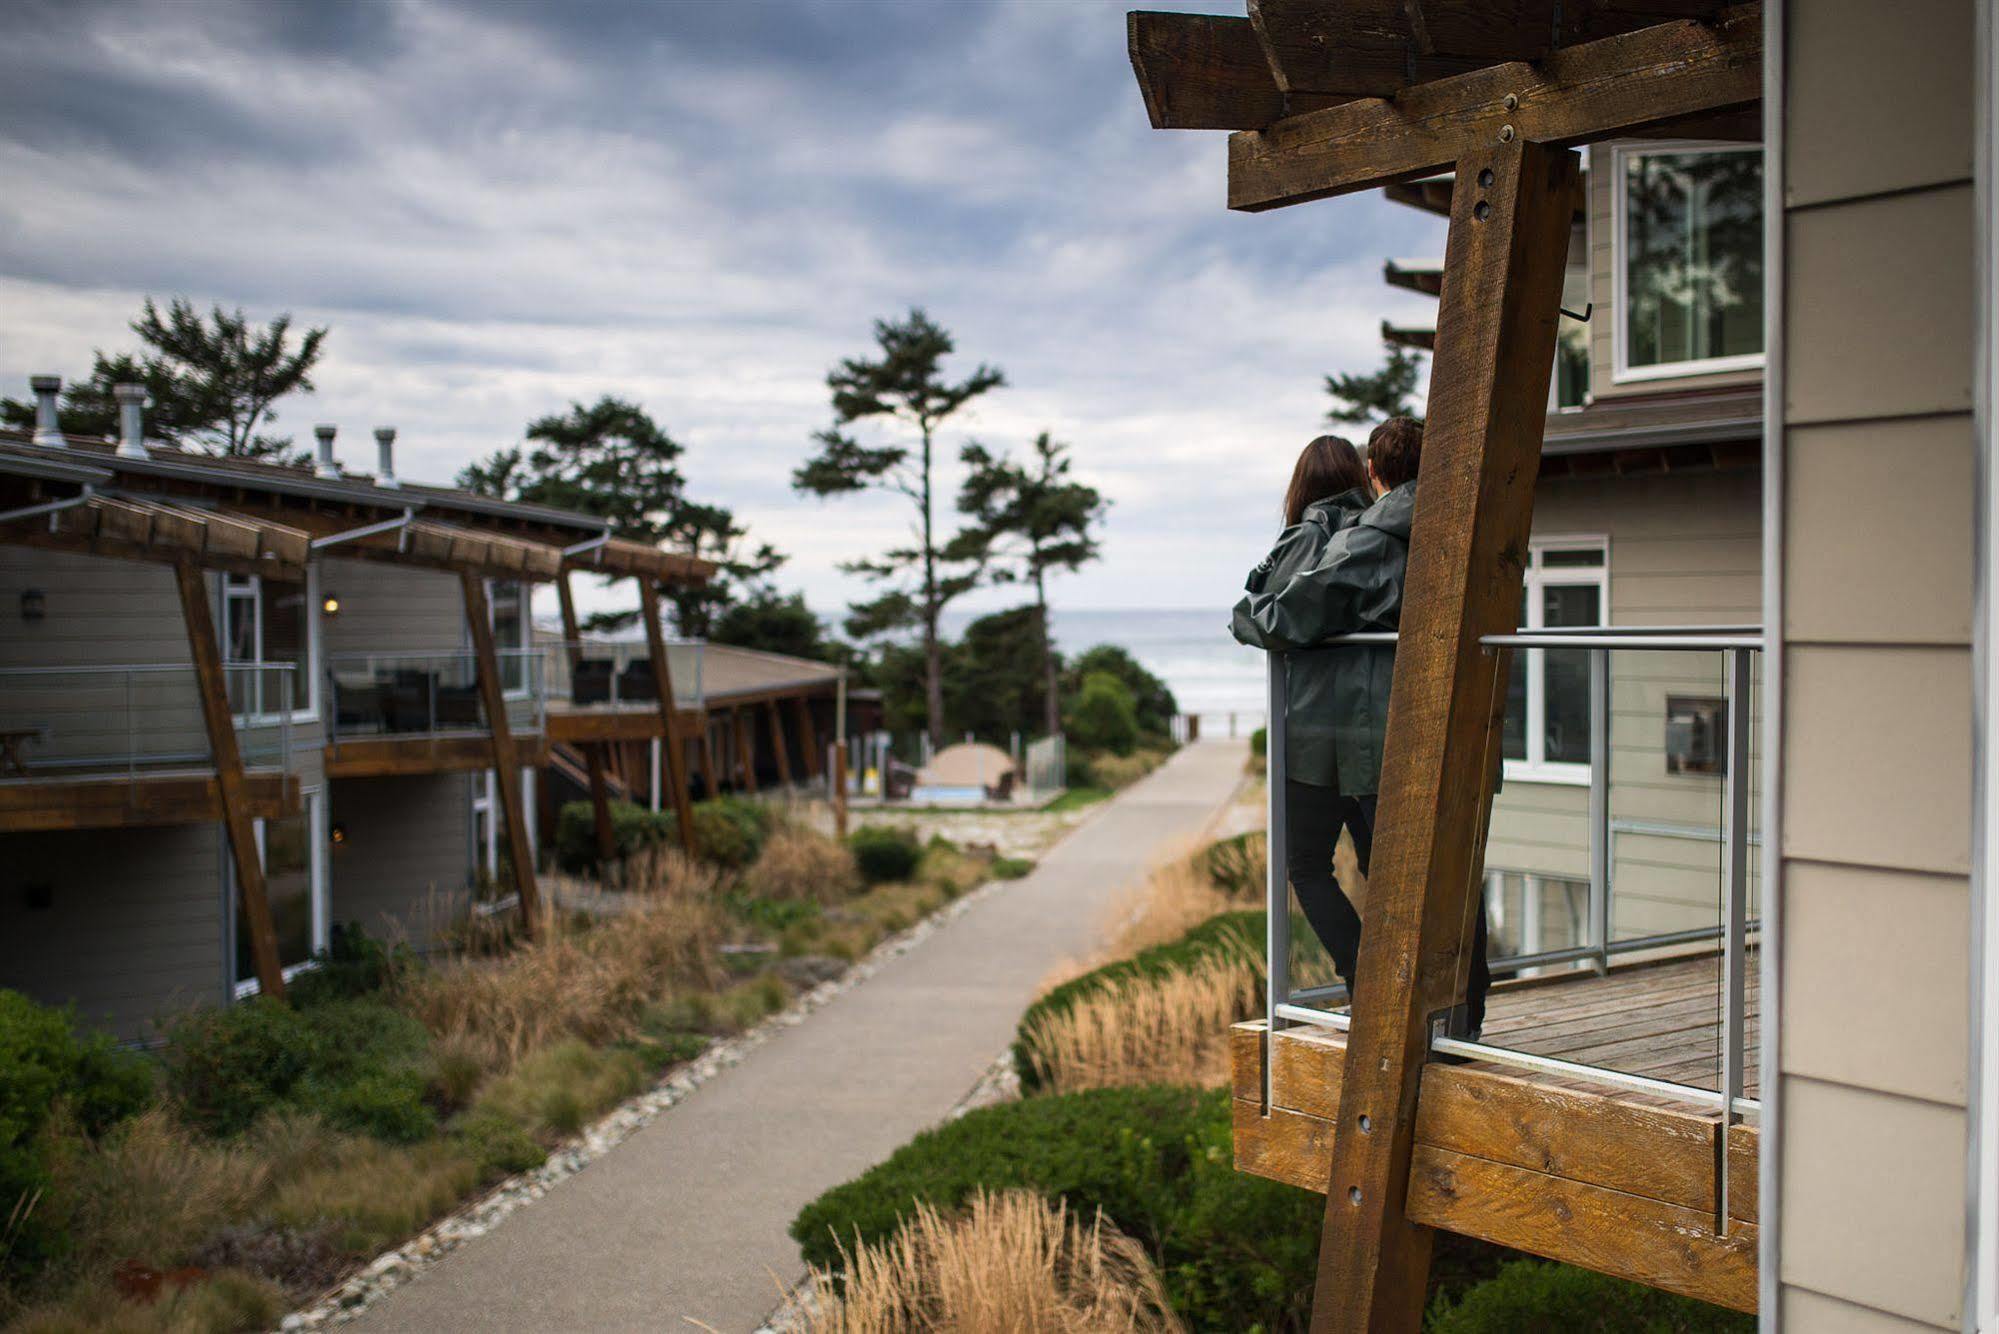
(499, 1144)
(1236, 1252)
(44, 1064)
(361, 1064)
(884, 854)
(1235, 865)
(355, 965)
(632, 828)
(1230, 933)
(1259, 742)
(1534, 1295)
(1101, 716)
(1009, 868)
(1152, 700)
(729, 831)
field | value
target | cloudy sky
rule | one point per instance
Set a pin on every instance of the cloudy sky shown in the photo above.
(501, 207)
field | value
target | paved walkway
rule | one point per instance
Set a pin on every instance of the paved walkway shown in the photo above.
(687, 1218)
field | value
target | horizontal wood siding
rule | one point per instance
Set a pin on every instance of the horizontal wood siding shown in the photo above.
(403, 869)
(134, 930)
(392, 609)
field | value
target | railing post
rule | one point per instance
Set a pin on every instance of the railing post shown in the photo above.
(1599, 807)
(1735, 898)
(1277, 898)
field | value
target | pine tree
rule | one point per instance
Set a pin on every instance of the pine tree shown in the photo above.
(1377, 395)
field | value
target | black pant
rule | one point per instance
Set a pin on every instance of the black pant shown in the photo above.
(1313, 818)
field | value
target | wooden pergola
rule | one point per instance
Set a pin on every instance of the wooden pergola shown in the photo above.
(1330, 97)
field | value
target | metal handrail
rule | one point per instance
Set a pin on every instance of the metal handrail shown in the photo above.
(1737, 643)
(624, 652)
(249, 718)
(532, 690)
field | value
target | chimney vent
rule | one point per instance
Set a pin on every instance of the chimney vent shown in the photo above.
(131, 420)
(326, 467)
(47, 431)
(385, 446)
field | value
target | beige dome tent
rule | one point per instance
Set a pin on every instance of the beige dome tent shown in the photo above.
(968, 764)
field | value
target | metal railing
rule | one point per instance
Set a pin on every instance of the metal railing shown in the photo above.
(617, 673)
(427, 694)
(1731, 934)
(75, 721)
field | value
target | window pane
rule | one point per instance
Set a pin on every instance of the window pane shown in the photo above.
(288, 884)
(509, 629)
(284, 640)
(1693, 238)
(1566, 709)
(239, 629)
(1571, 557)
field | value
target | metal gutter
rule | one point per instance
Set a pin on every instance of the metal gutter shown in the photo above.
(367, 530)
(47, 507)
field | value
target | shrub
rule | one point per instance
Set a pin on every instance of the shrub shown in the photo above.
(1115, 771)
(1237, 935)
(227, 1066)
(1235, 1251)
(1537, 1295)
(1259, 742)
(799, 864)
(883, 854)
(353, 966)
(730, 831)
(1010, 868)
(1146, 1030)
(1013, 1260)
(1152, 700)
(1237, 866)
(632, 828)
(499, 1144)
(556, 1091)
(1101, 715)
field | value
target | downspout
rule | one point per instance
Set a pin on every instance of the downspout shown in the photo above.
(49, 506)
(370, 530)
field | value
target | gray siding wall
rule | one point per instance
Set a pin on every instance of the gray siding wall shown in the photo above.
(403, 869)
(392, 609)
(135, 929)
(1879, 298)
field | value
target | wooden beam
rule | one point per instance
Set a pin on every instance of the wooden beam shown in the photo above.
(710, 774)
(808, 738)
(1580, 94)
(1369, 48)
(778, 745)
(577, 726)
(1632, 1236)
(142, 800)
(593, 756)
(741, 721)
(230, 784)
(387, 756)
(1496, 321)
(506, 761)
(662, 677)
(1207, 72)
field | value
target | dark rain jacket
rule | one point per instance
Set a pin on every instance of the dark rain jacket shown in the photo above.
(1337, 573)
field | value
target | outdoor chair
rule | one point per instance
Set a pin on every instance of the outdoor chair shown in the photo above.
(636, 682)
(590, 681)
(898, 781)
(458, 706)
(359, 703)
(1002, 790)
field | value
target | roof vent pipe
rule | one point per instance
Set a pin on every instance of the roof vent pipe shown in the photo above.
(326, 467)
(385, 446)
(131, 420)
(48, 432)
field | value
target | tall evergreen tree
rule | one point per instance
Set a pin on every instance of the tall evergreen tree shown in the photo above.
(212, 381)
(1028, 520)
(905, 384)
(1377, 395)
(612, 460)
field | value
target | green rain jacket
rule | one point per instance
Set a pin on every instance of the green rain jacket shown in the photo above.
(1337, 573)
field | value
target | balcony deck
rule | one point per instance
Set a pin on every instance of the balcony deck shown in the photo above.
(391, 754)
(123, 799)
(1623, 1181)
(570, 723)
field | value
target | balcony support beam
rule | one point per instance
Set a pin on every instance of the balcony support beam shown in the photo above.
(230, 782)
(1508, 244)
(593, 755)
(743, 722)
(778, 744)
(808, 745)
(506, 760)
(673, 740)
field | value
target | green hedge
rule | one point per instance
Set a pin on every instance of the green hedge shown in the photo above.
(1259, 742)
(729, 831)
(884, 854)
(45, 1064)
(1237, 1252)
(1534, 1295)
(1101, 716)
(1228, 933)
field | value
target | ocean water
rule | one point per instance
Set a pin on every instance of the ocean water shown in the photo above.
(1188, 648)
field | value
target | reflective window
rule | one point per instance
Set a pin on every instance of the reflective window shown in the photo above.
(1547, 729)
(1691, 251)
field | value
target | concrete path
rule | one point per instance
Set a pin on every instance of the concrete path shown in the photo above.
(687, 1218)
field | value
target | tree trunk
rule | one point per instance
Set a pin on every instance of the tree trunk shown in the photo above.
(933, 654)
(1052, 705)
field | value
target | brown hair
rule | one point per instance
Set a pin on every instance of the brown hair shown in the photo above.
(1395, 450)
(1326, 467)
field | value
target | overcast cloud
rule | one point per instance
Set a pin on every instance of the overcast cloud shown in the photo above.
(503, 207)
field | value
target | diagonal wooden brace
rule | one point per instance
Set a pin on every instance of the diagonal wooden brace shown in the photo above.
(1510, 218)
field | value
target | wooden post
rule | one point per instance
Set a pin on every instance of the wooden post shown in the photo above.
(593, 756)
(709, 770)
(840, 791)
(230, 782)
(743, 720)
(808, 742)
(778, 744)
(669, 713)
(506, 763)
(1509, 236)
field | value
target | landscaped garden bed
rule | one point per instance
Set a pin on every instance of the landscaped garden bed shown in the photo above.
(260, 1154)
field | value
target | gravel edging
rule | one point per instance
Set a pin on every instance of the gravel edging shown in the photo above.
(413, 1258)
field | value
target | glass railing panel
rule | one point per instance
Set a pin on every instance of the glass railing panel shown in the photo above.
(427, 694)
(88, 719)
(617, 673)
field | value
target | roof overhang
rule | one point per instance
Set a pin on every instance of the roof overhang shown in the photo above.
(622, 556)
(130, 528)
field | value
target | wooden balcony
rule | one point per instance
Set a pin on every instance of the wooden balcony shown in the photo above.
(425, 753)
(577, 724)
(1622, 1181)
(131, 799)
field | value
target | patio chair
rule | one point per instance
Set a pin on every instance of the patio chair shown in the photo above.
(636, 682)
(590, 681)
(1002, 790)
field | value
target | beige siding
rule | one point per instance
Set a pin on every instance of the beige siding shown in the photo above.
(1878, 309)
(403, 867)
(393, 609)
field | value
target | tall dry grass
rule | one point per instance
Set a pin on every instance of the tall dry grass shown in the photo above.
(1012, 1263)
(801, 863)
(1172, 900)
(1168, 1029)
(577, 979)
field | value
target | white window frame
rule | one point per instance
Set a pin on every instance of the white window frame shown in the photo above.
(524, 690)
(487, 840)
(1621, 371)
(314, 805)
(250, 588)
(1535, 768)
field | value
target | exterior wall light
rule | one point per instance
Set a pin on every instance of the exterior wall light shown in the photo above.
(330, 604)
(337, 835)
(34, 604)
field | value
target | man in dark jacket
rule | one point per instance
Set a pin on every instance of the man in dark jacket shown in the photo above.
(1347, 581)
